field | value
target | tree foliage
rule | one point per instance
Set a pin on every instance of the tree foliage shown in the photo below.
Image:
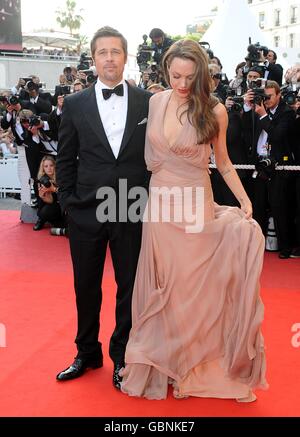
(69, 18)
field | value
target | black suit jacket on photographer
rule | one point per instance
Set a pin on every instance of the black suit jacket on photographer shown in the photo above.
(275, 73)
(295, 135)
(235, 139)
(53, 120)
(85, 161)
(41, 106)
(12, 124)
(159, 51)
(278, 128)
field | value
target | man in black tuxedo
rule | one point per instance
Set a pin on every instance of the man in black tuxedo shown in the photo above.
(35, 103)
(267, 128)
(275, 70)
(101, 141)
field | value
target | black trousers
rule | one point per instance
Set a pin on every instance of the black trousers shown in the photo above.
(33, 158)
(297, 208)
(222, 193)
(88, 257)
(271, 198)
(50, 212)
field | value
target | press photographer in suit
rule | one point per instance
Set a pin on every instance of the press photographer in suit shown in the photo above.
(268, 122)
(101, 141)
(275, 70)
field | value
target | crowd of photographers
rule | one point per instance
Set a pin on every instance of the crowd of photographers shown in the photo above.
(263, 130)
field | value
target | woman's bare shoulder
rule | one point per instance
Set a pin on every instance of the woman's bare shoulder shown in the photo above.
(220, 113)
(159, 97)
(219, 110)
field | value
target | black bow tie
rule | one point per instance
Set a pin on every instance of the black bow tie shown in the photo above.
(118, 90)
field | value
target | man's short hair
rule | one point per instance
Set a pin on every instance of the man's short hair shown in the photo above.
(273, 84)
(105, 32)
(25, 114)
(257, 69)
(156, 33)
(78, 82)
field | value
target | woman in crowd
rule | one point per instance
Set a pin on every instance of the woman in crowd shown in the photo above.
(48, 207)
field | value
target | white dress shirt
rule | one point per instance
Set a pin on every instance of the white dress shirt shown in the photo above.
(34, 99)
(262, 143)
(113, 113)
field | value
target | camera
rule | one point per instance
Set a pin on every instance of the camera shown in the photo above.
(45, 181)
(153, 76)
(144, 55)
(34, 120)
(59, 231)
(258, 87)
(290, 94)
(30, 85)
(90, 77)
(84, 62)
(238, 100)
(64, 90)
(256, 52)
(264, 168)
(10, 100)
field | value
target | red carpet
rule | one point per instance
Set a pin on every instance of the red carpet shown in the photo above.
(37, 308)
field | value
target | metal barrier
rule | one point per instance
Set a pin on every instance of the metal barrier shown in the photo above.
(9, 180)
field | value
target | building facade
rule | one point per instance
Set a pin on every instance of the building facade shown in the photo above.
(280, 19)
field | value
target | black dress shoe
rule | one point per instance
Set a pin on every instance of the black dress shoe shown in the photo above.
(39, 225)
(117, 379)
(78, 367)
(284, 254)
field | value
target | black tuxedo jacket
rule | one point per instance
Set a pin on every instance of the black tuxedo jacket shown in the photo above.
(236, 146)
(278, 130)
(42, 106)
(85, 161)
(275, 73)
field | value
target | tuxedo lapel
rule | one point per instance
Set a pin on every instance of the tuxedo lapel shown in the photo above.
(135, 105)
(92, 116)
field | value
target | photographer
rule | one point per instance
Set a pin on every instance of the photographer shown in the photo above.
(219, 88)
(48, 206)
(272, 59)
(160, 44)
(30, 90)
(293, 74)
(236, 148)
(35, 102)
(258, 56)
(87, 77)
(19, 121)
(9, 122)
(267, 122)
(85, 62)
(295, 179)
(7, 143)
(239, 81)
(151, 76)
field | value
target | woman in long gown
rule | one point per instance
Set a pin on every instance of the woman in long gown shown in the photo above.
(196, 310)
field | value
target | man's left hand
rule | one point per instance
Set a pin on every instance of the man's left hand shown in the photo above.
(260, 109)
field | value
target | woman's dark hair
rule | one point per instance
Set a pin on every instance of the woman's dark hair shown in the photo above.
(156, 33)
(201, 101)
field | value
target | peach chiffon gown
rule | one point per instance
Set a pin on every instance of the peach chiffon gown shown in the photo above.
(196, 309)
